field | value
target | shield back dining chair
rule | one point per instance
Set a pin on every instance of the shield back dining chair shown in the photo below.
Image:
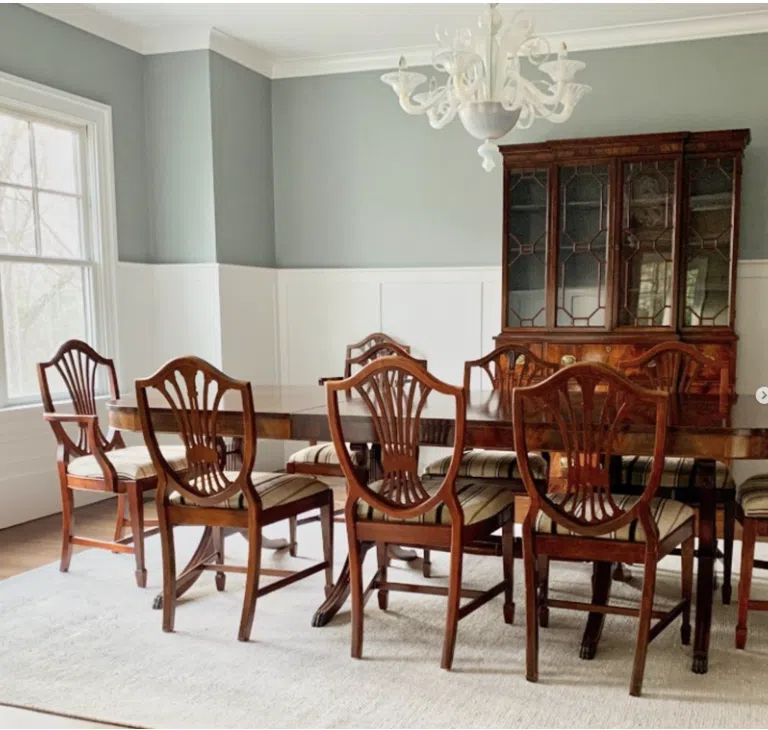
(399, 509)
(323, 459)
(194, 393)
(673, 367)
(507, 367)
(586, 408)
(92, 461)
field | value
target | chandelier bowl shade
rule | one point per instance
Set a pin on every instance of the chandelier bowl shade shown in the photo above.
(488, 119)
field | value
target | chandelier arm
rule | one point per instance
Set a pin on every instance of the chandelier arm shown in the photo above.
(535, 96)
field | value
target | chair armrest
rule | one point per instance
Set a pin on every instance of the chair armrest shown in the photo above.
(96, 449)
(84, 418)
(323, 381)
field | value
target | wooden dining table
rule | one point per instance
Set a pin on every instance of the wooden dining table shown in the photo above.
(708, 428)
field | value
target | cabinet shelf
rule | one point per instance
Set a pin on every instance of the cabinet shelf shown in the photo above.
(528, 207)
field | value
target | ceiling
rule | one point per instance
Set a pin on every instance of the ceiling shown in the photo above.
(334, 36)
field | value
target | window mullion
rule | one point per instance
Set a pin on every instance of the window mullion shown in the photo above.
(35, 201)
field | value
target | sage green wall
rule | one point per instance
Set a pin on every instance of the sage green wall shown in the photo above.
(180, 153)
(44, 50)
(241, 121)
(359, 183)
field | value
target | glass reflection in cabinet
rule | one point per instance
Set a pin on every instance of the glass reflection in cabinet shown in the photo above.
(647, 239)
(582, 246)
(709, 242)
(526, 248)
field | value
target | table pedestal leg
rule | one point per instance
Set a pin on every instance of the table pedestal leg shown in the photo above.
(705, 567)
(339, 593)
(601, 591)
(204, 554)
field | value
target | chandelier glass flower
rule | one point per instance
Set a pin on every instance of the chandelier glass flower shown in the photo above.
(485, 85)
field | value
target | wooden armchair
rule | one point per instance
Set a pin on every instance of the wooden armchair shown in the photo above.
(193, 391)
(399, 509)
(587, 407)
(93, 461)
(673, 367)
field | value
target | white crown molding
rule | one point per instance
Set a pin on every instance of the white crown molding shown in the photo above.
(188, 39)
(180, 39)
(243, 53)
(92, 21)
(594, 39)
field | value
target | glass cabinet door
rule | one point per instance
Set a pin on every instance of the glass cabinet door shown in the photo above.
(526, 276)
(708, 244)
(582, 247)
(646, 246)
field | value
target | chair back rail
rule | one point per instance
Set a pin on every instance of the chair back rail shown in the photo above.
(589, 405)
(375, 338)
(673, 367)
(394, 391)
(509, 366)
(78, 365)
(193, 390)
(380, 349)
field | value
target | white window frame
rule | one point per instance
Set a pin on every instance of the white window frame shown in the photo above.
(36, 100)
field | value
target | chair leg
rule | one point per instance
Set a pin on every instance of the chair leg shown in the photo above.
(426, 566)
(218, 546)
(543, 590)
(454, 601)
(136, 508)
(67, 526)
(729, 529)
(251, 582)
(355, 591)
(748, 538)
(687, 552)
(120, 521)
(531, 564)
(382, 556)
(508, 564)
(644, 625)
(292, 536)
(169, 569)
(326, 526)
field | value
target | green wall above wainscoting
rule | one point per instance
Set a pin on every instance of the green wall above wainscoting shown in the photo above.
(49, 52)
(359, 183)
(241, 111)
(214, 162)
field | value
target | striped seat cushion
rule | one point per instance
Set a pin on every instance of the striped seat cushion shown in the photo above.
(482, 464)
(479, 502)
(323, 454)
(131, 463)
(752, 495)
(678, 473)
(668, 514)
(275, 490)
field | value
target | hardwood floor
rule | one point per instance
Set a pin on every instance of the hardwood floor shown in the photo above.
(32, 544)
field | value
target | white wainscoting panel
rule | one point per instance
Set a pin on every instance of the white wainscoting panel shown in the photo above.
(249, 338)
(187, 312)
(291, 326)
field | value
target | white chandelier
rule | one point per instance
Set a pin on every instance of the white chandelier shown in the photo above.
(485, 84)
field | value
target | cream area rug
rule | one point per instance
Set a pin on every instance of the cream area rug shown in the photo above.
(88, 644)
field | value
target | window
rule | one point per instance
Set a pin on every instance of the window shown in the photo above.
(55, 257)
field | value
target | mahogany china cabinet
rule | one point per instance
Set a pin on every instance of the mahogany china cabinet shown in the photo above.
(613, 244)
